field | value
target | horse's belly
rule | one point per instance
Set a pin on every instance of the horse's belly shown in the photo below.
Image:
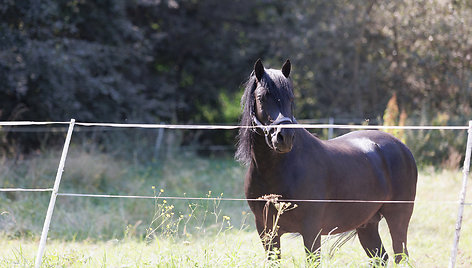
(339, 218)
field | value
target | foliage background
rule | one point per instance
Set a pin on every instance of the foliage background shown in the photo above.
(184, 61)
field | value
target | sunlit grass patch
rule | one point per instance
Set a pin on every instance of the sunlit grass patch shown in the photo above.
(92, 232)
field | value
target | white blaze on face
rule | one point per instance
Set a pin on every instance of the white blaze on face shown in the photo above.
(365, 144)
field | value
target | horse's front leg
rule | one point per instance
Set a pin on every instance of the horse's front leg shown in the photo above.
(270, 239)
(312, 243)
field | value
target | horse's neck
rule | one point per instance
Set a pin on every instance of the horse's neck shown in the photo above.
(264, 159)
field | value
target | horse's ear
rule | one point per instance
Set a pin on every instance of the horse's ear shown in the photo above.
(259, 70)
(286, 68)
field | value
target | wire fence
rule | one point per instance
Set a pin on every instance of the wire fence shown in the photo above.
(234, 199)
(72, 123)
(24, 190)
(264, 200)
(104, 126)
(230, 127)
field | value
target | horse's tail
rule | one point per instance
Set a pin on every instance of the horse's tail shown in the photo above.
(341, 239)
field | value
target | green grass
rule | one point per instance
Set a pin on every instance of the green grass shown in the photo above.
(94, 232)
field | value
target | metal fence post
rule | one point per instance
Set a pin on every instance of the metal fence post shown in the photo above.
(465, 170)
(52, 202)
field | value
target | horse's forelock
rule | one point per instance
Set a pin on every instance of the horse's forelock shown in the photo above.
(279, 86)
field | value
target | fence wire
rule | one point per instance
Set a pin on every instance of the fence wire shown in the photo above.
(261, 199)
(229, 127)
(24, 190)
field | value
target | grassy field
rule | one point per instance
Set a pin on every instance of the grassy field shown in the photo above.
(95, 232)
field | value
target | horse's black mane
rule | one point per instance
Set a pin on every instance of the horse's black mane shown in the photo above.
(245, 137)
(273, 81)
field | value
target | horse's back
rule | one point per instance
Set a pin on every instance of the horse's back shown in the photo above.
(388, 157)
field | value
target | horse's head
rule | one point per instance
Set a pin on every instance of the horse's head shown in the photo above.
(273, 106)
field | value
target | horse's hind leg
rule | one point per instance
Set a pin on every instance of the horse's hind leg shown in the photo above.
(398, 218)
(371, 242)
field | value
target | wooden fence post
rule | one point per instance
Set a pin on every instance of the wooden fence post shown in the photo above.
(157, 146)
(330, 130)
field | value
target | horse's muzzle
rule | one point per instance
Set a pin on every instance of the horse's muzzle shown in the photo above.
(282, 139)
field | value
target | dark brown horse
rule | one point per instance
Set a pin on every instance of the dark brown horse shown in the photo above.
(294, 164)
